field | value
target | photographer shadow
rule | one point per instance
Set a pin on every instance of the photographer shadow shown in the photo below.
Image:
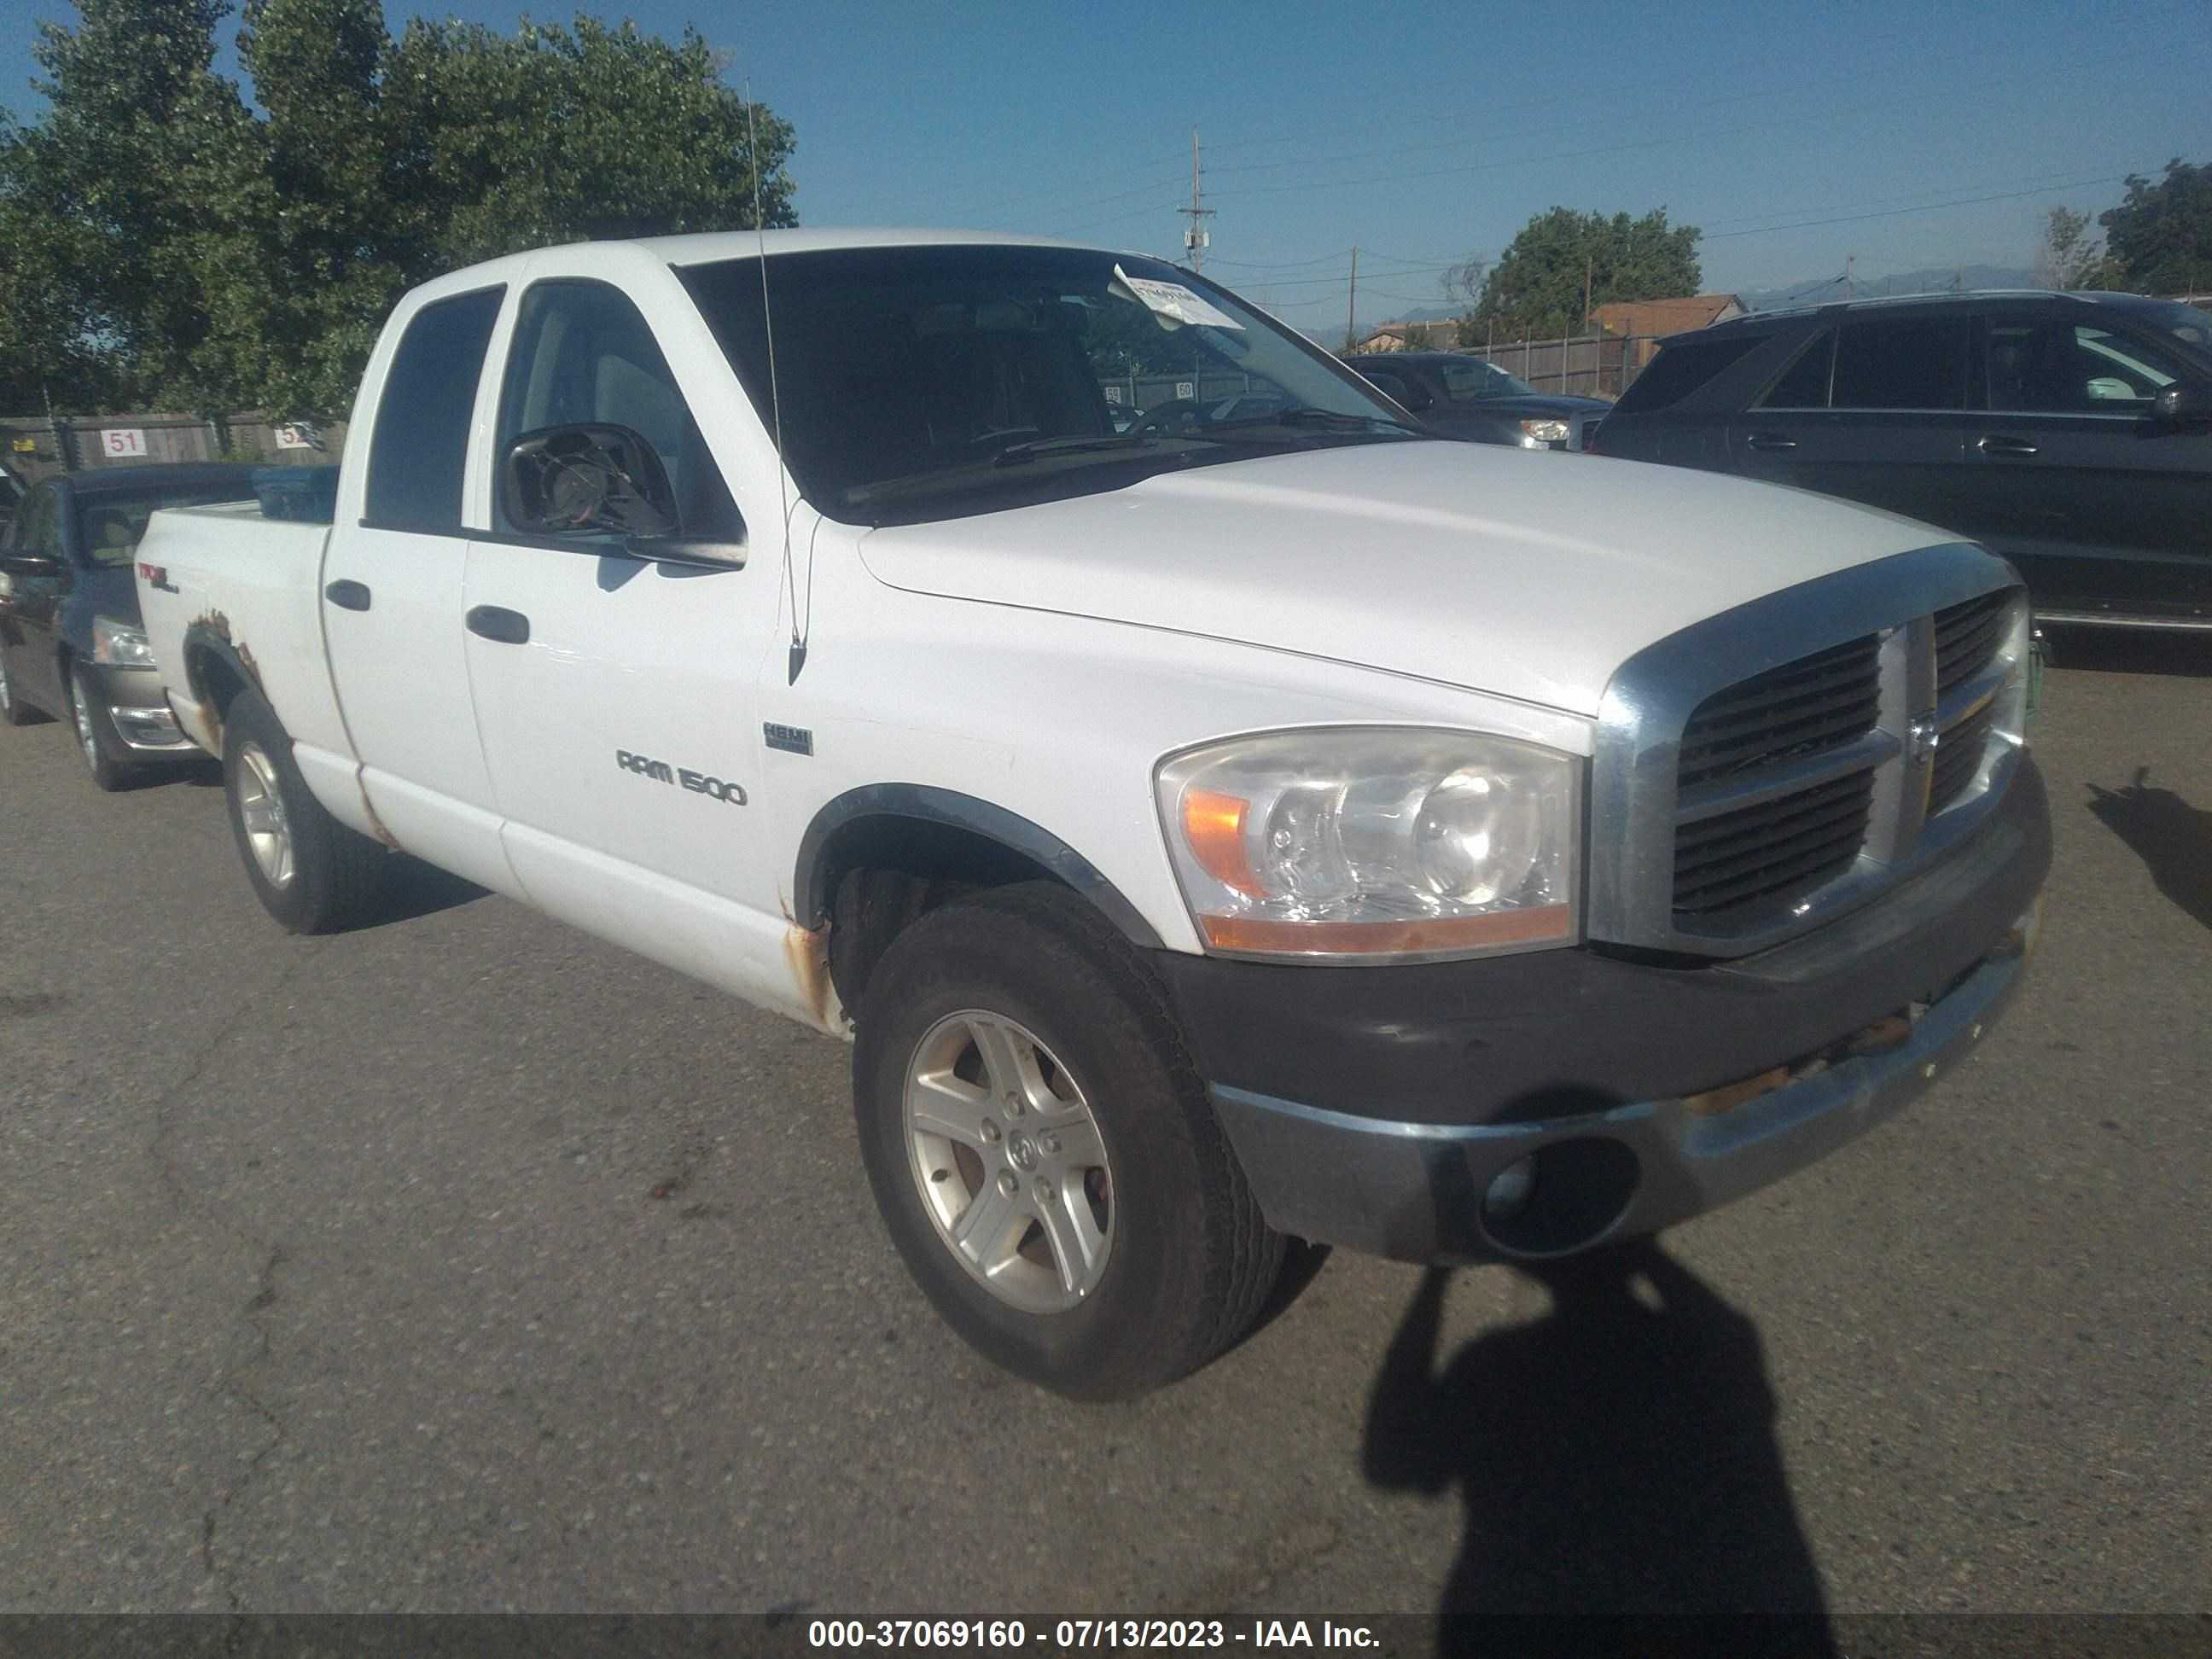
(1616, 1456)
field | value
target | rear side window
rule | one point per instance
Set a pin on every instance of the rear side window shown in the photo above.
(1681, 369)
(1805, 384)
(422, 438)
(1901, 362)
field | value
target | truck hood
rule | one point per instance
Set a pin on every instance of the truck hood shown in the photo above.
(1530, 574)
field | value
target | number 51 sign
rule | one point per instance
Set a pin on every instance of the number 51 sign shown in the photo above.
(123, 440)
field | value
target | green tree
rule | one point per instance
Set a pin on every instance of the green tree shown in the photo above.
(1536, 286)
(2160, 235)
(168, 244)
(132, 102)
(2071, 257)
(501, 143)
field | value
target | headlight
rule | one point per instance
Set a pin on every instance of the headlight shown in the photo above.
(1375, 843)
(120, 645)
(1544, 432)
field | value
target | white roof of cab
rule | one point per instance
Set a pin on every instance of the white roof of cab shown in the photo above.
(708, 246)
(614, 260)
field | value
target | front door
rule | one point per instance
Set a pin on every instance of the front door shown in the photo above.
(393, 601)
(1872, 411)
(2102, 506)
(618, 695)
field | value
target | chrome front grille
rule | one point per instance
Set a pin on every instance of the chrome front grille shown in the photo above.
(1966, 637)
(1763, 771)
(1757, 854)
(1802, 708)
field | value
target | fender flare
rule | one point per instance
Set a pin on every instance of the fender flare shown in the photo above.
(931, 804)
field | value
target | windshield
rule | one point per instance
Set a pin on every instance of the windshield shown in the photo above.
(1473, 380)
(927, 382)
(2185, 323)
(110, 526)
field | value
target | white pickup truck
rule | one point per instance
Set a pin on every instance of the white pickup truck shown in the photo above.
(1253, 819)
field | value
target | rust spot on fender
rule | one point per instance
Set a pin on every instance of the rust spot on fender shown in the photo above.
(375, 823)
(806, 952)
(246, 661)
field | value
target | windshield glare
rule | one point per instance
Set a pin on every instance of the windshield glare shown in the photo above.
(921, 382)
(1474, 380)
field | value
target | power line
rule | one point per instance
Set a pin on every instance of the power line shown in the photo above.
(1929, 207)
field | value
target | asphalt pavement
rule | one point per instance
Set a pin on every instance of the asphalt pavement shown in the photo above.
(464, 1263)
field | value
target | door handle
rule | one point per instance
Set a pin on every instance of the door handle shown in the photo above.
(347, 595)
(1995, 444)
(1769, 441)
(493, 621)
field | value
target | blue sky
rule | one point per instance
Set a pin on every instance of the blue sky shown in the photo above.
(1422, 133)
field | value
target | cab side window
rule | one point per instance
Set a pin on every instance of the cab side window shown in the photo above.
(1901, 362)
(422, 440)
(1804, 384)
(583, 354)
(2072, 369)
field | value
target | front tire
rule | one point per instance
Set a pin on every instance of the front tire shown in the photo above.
(87, 723)
(1043, 1151)
(312, 873)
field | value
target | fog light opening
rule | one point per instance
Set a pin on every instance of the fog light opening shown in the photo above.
(1561, 1198)
(1509, 1191)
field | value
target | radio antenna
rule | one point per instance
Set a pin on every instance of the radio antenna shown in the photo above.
(796, 658)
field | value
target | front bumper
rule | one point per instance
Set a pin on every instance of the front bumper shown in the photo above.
(1375, 1108)
(136, 709)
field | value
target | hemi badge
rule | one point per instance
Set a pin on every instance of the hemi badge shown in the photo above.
(792, 739)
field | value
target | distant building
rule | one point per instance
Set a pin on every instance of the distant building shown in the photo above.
(1412, 336)
(1645, 320)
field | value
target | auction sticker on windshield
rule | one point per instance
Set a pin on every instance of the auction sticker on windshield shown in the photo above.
(1175, 302)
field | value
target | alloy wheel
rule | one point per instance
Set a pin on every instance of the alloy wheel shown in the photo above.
(1009, 1162)
(261, 813)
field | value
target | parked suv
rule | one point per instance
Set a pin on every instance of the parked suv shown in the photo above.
(2071, 433)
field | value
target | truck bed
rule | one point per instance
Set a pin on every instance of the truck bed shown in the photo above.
(229, 582)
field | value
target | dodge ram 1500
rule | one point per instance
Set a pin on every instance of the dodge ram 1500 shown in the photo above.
(1238, 826)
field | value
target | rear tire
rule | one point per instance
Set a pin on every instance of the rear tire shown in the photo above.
(312, 873)
(1178, 1261)
(89, 724)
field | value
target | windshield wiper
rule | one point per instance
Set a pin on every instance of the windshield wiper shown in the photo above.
(1015, 454)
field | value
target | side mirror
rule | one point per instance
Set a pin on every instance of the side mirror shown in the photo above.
(585, 480)
(2182, 405)
(30, 564)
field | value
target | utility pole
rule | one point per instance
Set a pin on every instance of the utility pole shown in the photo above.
(1195, 239)
(1589, 264)
(1847, 275)
(1351, 305)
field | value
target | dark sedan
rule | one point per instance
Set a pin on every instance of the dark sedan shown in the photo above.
(1461, 397)
(71, 643)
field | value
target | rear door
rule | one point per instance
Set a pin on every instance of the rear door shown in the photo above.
(392, 597)
(2103, 507)
(1872, 409)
